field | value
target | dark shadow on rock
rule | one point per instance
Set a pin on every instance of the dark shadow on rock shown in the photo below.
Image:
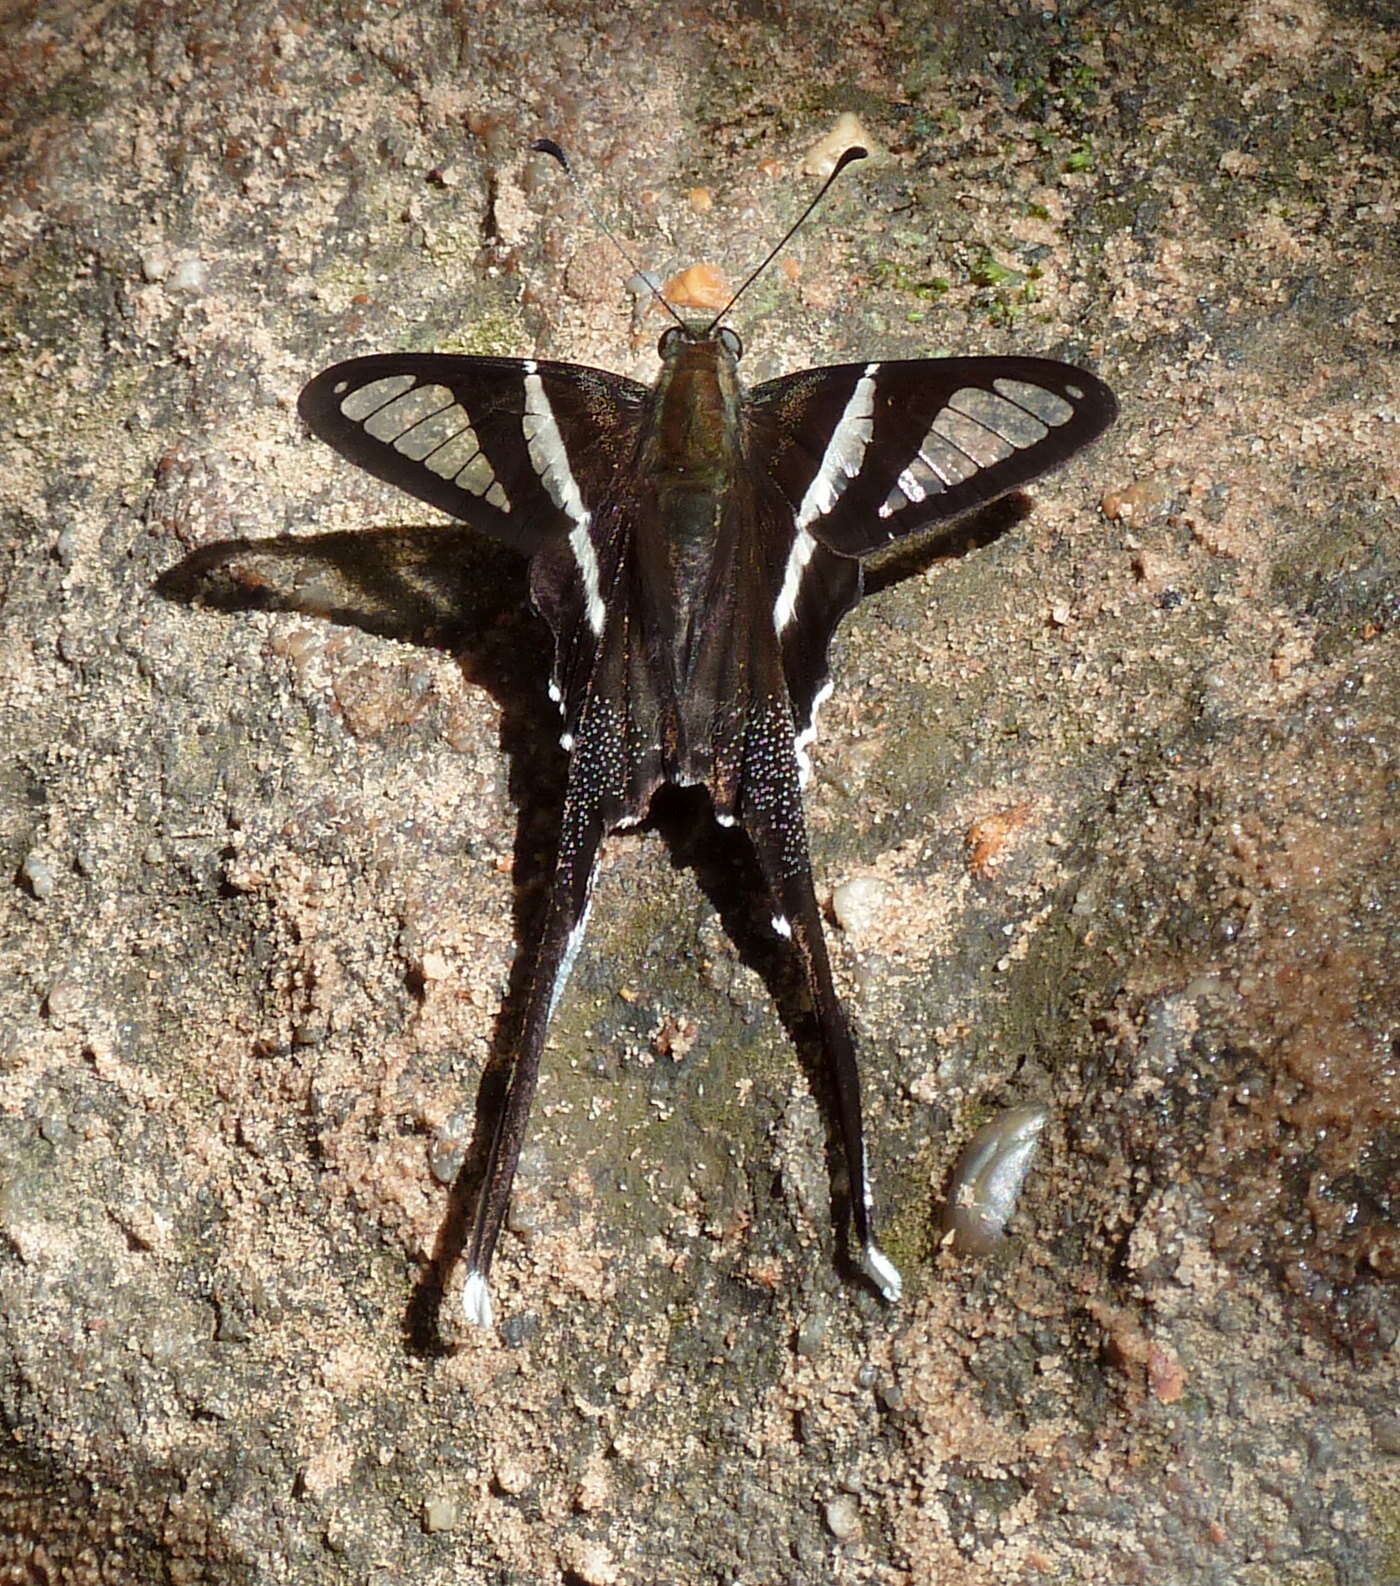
(908, 558)
(455, 590)
(439, 587)
(726, 870)
(60, 1524)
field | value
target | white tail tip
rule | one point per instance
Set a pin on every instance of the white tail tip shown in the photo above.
(476, 1299)
(882, 1272)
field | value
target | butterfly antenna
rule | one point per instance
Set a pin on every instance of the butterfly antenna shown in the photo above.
(551, 148)
(848, 157)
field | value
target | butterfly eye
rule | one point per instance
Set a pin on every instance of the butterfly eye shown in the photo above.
(730, 339)
(669, 340)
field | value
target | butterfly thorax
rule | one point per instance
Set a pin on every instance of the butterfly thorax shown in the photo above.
(689, 461)
(692, 443)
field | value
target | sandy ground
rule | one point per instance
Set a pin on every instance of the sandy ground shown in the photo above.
(1122, 779)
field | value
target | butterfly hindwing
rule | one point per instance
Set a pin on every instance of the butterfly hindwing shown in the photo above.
(868, 453)
(501, 443)
(818, 589)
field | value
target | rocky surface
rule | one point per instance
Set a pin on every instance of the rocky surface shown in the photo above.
(1118, 786)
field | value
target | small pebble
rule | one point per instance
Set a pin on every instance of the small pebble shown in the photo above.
(190, 276)
(441, 1514)
(698, 286)
(591, 1562)
(892, 1397)
(449, 1147)
(989, 1177)
(843, 1518)
(512, 1477)
(846, 131)
(519, 1328)
(155, 262)
(55, 1128)
(857, 904)
(39, 873)
(811, 1333)
(65, 1002)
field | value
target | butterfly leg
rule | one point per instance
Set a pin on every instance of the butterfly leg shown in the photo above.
(771, 813)
(561, 936)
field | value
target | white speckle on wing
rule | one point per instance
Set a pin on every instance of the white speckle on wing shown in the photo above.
(798, 557)
(566, 963)
(584, 555)
(881, 1271)
(476, 1300)
(802, 742)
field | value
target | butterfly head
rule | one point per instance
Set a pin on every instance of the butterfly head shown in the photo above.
(678, 341)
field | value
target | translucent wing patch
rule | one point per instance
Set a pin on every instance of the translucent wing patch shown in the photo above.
(426, 424)
(1042, 404)
(978, 428)
(463, 434)
(922, 441)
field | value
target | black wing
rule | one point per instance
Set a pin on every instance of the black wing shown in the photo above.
(867, 453)
(509, 445)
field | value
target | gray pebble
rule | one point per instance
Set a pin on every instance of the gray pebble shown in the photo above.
(39, 874)
(811, 1333)
(843, 1518)
(990, 1174)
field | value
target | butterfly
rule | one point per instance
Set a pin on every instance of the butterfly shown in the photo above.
(692, 548)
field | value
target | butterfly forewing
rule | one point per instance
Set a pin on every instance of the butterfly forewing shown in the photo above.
(867, 453)
(500, 443)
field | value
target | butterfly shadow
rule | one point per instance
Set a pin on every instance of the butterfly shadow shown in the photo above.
(908, 558)
(455, 590)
